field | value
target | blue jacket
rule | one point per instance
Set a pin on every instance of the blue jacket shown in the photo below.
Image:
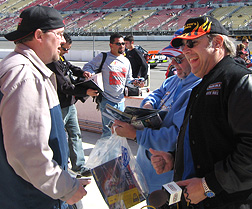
(173, 95)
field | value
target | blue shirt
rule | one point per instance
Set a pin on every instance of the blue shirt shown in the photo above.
(172, 96)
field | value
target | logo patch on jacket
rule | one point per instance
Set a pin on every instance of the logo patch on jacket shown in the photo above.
(214, 88)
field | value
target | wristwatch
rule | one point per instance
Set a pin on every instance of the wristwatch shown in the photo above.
(208, 192)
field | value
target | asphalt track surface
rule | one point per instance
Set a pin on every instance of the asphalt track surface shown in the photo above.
(99, 45)
(157, 75)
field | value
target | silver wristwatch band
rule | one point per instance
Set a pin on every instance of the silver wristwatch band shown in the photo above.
(208, 192)
(206, 188)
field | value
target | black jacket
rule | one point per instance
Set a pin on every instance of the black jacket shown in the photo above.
(220, 133)
(240, 60)
(138, 63)
(65, 89)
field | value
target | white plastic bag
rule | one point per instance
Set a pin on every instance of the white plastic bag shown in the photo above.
(116, 172)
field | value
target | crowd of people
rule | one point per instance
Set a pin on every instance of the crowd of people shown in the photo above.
(203, 143)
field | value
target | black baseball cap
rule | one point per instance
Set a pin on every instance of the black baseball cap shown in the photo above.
(199, 26)
(33, 18)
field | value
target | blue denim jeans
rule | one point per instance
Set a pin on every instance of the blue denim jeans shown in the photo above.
(62, 205)
(105, 121)
(76, 151)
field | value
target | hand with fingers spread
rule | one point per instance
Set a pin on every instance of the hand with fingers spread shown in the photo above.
(161, 161)
(194, 191)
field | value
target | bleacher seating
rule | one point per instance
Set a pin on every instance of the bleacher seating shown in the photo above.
(8, 24)
(136, 3)
(183, 2)
(131, 20)
(70, 19)
(7, 4)
(222, 12)
(88, 19)
(17, 6)
(239, 19)
(180, 19)
(77, 5)
(157, 20)
(106, 20)
(63, 4)
(137, 15)
(97, 4)
(203, 1)
(156, 3)
(2, 1)
(115, 4)
(33, 3)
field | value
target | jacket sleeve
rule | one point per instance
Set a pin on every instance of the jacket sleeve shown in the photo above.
(234, 173)
(26, 136)
(64, 85)
(166, 137)
(144, 66)
(93, 65)
(77, 71)
(129, 73)
(155, 97)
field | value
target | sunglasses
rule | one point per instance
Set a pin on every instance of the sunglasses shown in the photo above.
(190, 43)
(65, 49)
(119, 44)
(178, 60)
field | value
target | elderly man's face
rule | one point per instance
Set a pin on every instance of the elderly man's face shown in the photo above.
(182, 66)
(200, 55)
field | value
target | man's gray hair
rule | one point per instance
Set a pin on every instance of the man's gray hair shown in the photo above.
(227, 42)
(229, 45)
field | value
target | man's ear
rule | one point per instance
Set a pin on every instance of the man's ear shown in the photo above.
(218, 41)
(38, 34)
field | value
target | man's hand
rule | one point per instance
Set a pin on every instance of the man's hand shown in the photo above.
(161, 161)
(81, 192)
(124, 129)
(147, 105)
(87, 74)
(138, 83)
(194, 191)
(92, 92)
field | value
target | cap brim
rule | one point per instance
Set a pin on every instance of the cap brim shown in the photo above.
(170, 51)
(177, 41)
(16, 35)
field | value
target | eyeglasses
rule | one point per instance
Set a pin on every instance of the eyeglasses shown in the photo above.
(178, 60)
(65, 49)
(119, 44)
(58, 35)
(190, 43)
